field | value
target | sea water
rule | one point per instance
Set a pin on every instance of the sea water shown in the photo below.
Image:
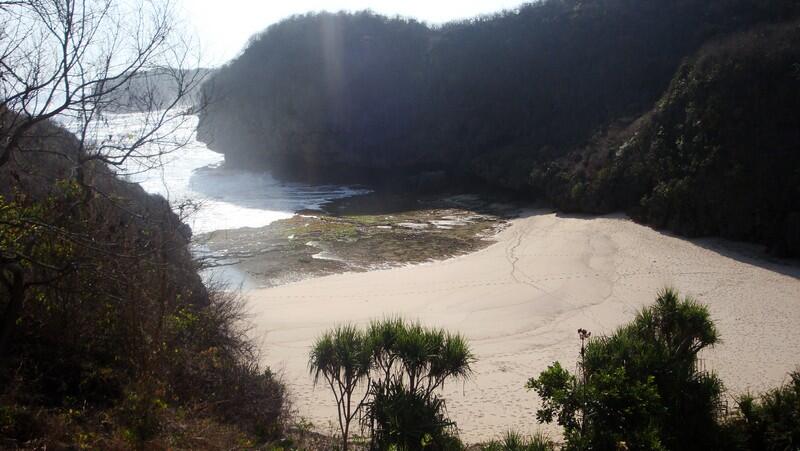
(221, 198)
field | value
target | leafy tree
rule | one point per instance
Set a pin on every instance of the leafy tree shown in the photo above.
(114, 319)
(383, 339)
(103, 311)
(68, 60)
(640, 386)
(429, 357)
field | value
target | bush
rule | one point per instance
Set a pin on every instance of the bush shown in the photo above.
(514, 441)
(640, 386)
(409, 420)
(770, 421)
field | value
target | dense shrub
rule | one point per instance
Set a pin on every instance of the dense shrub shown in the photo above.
(770, 421)
(409, 419)
(639, 387)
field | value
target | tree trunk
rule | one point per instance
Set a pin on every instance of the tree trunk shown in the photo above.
(347, 419)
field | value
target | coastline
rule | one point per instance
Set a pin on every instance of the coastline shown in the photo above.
(520, 300)
(356, 234)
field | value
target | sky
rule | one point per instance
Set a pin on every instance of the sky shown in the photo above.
(222, 27)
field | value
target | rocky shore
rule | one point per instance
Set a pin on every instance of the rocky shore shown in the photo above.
(361, 233)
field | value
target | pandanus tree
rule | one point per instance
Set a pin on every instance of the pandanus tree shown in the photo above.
(402, 364)
(404, 410)
(383, 337)
(342, 358)
(423, 358)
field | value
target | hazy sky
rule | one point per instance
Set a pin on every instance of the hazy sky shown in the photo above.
(223, 26)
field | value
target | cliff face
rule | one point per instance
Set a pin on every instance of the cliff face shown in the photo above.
(322, 94)
(535, 100)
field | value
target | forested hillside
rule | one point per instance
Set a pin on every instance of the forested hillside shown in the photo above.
(719, 154)
(324, 91)
(526, 100)
(108, 337)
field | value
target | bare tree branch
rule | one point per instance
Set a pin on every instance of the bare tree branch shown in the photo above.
(77, 63)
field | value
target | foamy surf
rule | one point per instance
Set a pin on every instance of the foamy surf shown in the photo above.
(224, 198)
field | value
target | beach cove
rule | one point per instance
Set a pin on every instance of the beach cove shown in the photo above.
(521, 300)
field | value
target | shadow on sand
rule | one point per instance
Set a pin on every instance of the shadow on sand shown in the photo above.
(748, 253)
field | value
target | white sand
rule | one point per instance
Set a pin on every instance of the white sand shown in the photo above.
(521, 300)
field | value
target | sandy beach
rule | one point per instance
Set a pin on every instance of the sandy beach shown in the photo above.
(521, 300)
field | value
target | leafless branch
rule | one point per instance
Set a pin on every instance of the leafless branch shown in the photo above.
(78, 60)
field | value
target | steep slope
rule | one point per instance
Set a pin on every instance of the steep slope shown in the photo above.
(718, 155)
(322, 93)
(108, 337)
(352, 94)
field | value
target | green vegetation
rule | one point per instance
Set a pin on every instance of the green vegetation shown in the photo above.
(770, 421)
(399, 367)
(109, 339)
(717, 155)
(684, 113)
(594, 106)
(514, 441)
(643, 387)
(342, 358)
(640, 385)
